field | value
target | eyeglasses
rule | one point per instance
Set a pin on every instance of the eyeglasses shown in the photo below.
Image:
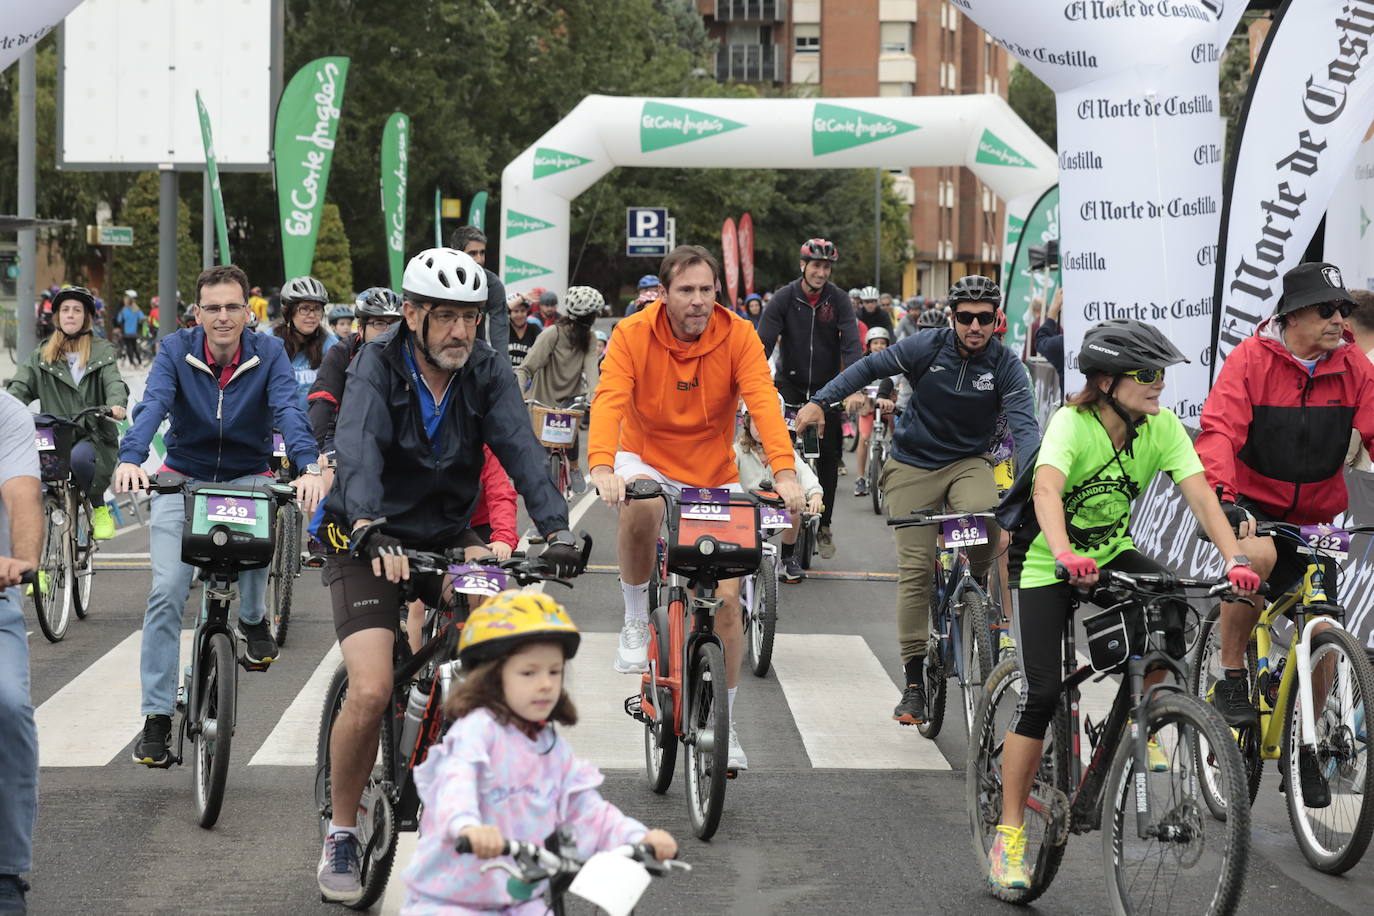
(231, 309)
(983, 318)
(1327, 309)
(445, 320)
(380, 324)
(310, 309)
(1145, 376)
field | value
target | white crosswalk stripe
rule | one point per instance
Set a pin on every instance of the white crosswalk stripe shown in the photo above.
(292, 742)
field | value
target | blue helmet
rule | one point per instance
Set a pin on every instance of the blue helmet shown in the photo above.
(648, 280)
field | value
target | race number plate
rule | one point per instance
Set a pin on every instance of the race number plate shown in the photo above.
(790, 416)
(231, 509)
(1332, 541)
(278, 445)
(558, 428)
(871, 391)
(710, 504)
(1003, 450)
(967, 531)
(45, 440)
(478, 580)
(771, 519)
(612, 882)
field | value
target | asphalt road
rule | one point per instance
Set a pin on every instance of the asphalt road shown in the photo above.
(842, 811)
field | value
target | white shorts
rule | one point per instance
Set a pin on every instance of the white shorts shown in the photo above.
(629, 465)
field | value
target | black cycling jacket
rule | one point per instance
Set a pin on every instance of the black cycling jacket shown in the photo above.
(817, 341)
(326, 394)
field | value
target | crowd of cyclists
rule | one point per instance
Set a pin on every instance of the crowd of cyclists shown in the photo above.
(405, 419)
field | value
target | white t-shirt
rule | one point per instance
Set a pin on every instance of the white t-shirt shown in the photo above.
(18, 455)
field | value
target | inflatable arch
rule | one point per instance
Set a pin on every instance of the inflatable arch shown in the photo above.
(603, 132)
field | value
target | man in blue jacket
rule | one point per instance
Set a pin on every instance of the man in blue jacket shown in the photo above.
(223, 389)
(961, 380)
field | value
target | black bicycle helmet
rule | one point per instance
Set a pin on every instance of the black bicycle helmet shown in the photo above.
(85, 296)
(377, 302)
(975, 288)
(1122, 344)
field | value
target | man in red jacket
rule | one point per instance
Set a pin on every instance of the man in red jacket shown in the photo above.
(1275, 430)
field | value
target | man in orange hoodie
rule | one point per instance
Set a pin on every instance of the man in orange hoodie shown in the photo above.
(664, 410)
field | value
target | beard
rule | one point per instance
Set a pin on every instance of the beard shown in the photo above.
(453, 357)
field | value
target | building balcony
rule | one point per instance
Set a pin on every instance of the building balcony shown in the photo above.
(751, 10)
(749, 64)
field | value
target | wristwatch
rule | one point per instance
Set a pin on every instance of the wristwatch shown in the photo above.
(1240, 559)
(313, 469)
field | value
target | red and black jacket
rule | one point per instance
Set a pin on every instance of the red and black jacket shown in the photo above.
(327, 392)
(1277, 436)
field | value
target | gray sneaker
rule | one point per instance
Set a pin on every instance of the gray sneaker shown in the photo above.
(339, 874)
(826, 543)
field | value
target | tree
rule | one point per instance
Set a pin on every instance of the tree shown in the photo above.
(1034, 102)
(135, 267)
(333, 264)
(1234, 82)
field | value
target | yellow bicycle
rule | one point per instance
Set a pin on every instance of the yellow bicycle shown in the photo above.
(1312, 683)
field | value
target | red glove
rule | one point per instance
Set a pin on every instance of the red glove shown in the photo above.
(1243, 579)
(1078, 566)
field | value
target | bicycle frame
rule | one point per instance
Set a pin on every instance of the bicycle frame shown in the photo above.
(216, 596)
(958, 581)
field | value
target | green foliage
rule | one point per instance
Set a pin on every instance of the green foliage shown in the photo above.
(1235, 82)
(333, 264)
(135, 267)
(1034, 102)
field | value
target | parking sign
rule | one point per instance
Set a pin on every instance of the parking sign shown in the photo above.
(646, 232)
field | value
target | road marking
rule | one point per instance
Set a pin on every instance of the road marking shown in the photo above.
(396, 888)
(605, 735)
(95, 715)
(841, 700)
(292, 740)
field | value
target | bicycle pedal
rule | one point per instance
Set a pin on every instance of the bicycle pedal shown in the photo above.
(732, 773)
(247, 665)
(313, 561)
(635, 709)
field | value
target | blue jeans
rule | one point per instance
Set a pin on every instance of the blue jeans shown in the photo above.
(18, 740)
(167, 600)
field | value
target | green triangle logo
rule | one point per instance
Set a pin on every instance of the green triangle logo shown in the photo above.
(662, 126)
(517, 269)
(520, 223)
(552, 161)
(1364, 221)
(993, 151)
(834, 128)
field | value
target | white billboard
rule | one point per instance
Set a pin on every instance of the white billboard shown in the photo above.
(128, 75)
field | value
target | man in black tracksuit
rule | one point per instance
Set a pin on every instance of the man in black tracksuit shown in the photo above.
(496, 316)
(815, 321)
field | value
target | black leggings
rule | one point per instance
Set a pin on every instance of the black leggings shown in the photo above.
(1038, 626)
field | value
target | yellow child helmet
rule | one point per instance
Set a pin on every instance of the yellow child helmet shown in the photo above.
(511, 619)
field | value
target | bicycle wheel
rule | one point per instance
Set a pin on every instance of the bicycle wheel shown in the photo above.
(1204, 670)
(763, 616)
(708, 741)
(975, 642)
(875, 469)
(1047, 810)
(1335, 837)
(1188, 857)
(934, 672)
(806, 544)
(52, 593)
(376, 818)
(281, 578)
(83, 555)
(660, 737)
(558, 472)
(213, 722)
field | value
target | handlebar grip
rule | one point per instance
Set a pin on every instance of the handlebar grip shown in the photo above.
(463, 846)
(26, 577)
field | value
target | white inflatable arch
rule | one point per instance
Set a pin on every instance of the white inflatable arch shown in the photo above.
(603, 132)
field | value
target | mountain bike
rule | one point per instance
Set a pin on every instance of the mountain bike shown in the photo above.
(228, 530)
(66, 565)
(286, 560)
(1160, 850)
(414, 721)
(961, 643)
(598, 880)
(556, 428)
(710, 534)
(1297, 717)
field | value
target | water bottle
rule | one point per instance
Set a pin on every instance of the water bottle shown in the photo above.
(1275, 680)
(415, 714)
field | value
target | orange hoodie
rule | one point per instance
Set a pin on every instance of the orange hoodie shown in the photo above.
(673, 402)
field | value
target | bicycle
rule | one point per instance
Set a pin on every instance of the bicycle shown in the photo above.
(66, 566)
(588, 879)
(414, 721)
(1175, 856)
(557, 432)
(960, 644)
(228, 530)
(1333, 838)
(712, 534)
(286, 560)
(759, 592)
(879, 448)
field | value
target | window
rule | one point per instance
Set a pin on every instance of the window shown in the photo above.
(806, 38)
(895, 37)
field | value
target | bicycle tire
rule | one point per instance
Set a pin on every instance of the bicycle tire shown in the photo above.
(1346, 743)
(660, 735)
(52, 592)
(1201, 679)
(1195, 859)
(875, 472)
(763, 617)
(82, 554)
(934, 676)
(806, 544)
(975, 639)
(557, 473)
(709, 743)
(213, 741)
(983, 785)
(282, 577)
(376, 817)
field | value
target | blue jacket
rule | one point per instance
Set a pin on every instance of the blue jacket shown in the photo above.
(300, 365)
(955, 398)
(220, 434)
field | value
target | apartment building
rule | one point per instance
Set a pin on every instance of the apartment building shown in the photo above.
(882, 48)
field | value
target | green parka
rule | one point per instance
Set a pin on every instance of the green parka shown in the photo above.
(57, 394)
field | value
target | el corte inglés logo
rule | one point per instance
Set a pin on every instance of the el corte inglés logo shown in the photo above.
(517, 269)
(993, 151)
(834, 128)
(661, 126)
(551, 161)
(520, 223)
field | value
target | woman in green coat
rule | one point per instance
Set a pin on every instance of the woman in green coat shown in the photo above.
(71, 371)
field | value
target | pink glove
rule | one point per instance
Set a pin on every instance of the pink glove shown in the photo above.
(1078, 566)
(1243, 579)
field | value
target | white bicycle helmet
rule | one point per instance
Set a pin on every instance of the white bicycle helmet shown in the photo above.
(869, 293)
(442, 276)
(581, 302)
(303, 289)
(878, 333)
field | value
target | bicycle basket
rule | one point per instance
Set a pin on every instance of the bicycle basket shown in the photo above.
(228, 527)
(721, 537)
(555, 428)
(54, 451)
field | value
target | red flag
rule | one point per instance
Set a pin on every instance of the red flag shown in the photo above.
(746, 252)
(729, 248)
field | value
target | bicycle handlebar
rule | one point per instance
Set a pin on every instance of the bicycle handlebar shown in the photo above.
(524, 570)
(933, 518)
(535, 863)
(1159, 583)
(165, 482)
(49, 419)
(652, 489)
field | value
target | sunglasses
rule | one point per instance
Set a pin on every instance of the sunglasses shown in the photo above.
(983, 318)
(1145, 376)
(1327, 309)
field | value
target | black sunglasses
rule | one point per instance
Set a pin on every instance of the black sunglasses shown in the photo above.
(1327, 309)
(983, 318)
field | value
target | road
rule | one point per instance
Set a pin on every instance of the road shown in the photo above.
(842, 811)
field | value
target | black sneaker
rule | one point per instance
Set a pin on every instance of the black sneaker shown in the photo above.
(261, 648)
(152, 747)
(792, 571)
(912, 709)
(12, 891)
(1231, 697)
(1316, 793)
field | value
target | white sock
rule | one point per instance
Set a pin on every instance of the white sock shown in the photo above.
(335, 828)
(732, 691)
(636, 602)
